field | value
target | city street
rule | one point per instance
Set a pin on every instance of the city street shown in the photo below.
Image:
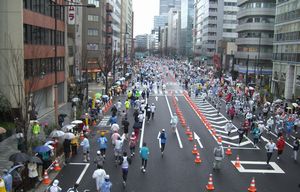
(176, 171)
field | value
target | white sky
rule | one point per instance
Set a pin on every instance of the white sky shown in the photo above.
(144, 12)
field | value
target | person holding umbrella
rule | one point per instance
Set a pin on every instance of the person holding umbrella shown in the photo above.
(67, 150)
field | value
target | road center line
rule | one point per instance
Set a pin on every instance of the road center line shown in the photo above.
(83, 171)
(176, 131)
(143, 127)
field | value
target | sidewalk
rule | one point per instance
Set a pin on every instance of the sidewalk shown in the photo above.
(9, 145)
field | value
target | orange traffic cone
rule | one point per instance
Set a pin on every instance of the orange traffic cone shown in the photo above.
(210, 185)
(219, 139)
(228, 151)
(191, 137)
(197, 159)
(46, 179)
(237, 163)
(195, 150)
(214, 133)
(252, 187)
(56, 166)
(188, 131)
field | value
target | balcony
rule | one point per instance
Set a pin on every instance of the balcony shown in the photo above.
(255, 27)
(109, 30)
(252, 55)
(255, 11)
(109, 8)
(254, 41)
(109, 19)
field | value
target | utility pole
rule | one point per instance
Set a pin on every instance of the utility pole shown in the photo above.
(114, 61)
(247, 65)
(55, 66)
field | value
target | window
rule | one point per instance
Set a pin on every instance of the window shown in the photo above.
(92, 46)
(95, 2)
(92, 32)
(93, 18)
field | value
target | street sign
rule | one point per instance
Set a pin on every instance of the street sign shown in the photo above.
(71, 13)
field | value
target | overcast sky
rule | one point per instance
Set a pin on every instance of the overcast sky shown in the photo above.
(144, 11)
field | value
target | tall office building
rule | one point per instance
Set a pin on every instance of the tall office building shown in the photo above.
(166, 5)
(28, 66)
(173, 31)
(255, 39)
(141, 42)
(286, 52)
(186, 31)
(160, 21)
(208, 30)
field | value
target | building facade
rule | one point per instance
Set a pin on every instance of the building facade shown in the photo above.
(286, 52)
(35, 52)
(141, 42)
(173, 31)
(186, 31)
(255, 40)
(166, 5)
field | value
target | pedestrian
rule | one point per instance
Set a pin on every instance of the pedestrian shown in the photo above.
(114, 137)
(144, 153)
(270, 123)
(280, 146)
(113, 119)
(136, 128)
(163, 139)
(296, 145)
(228, 127)
(114, 110)
(74, 145)
(125, 161)
(54, 187)
(74, 188)
(32, 174)
(8, 180)
(270, 147)
(173, 122)
(118, 149)
(86, 148)
(241, 131)
(152, 107)
(125, 124)
(127, 105)
(102, 141)
(218, 107)
(231, 112)
(67, 150)
(141, 117)
(99, 175)
(148, 112)
(36, 129)
(106, 186)
(218, 156)
(132, 144)
(255, 133)
(99, 159)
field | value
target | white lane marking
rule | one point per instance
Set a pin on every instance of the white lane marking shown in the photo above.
(276, 168)
(143, 127)
(156, 98)
(214, 118)
(83, 171)
(263, 138)
(222, 127)
(78, 163)
(197, 138)
(219, 122)
(276, 137)
(236, 144)
(176, 98)
(159, 139)
(177, 134)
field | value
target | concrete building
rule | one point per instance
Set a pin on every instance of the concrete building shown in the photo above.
(27, 49)
(173, 31)
(186, 31)
(208, 28)
(163, 45)
(93, 39)
(166, 5)
(141, 42)
(286, 52)
(160, 21)
(255, 39)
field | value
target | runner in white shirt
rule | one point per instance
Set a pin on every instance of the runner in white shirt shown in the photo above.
(152, 108)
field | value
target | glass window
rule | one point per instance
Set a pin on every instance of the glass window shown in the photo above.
(92, 32)
(93, 18)
(92, 46)
(95, 2)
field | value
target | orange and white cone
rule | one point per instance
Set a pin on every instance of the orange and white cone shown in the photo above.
(197, 159)
(219, 139)
(214, 133)
(56, 166)
(228, 151)
(252, 187)
(195, 150)
(188, 131)
(237, 163)
(191, 137)
(46, 179)
(210, 186)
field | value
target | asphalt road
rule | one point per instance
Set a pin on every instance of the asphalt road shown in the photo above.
(176, 171)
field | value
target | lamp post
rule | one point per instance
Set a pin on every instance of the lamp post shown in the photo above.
(55, 5)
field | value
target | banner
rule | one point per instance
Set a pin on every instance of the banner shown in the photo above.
(71, 13)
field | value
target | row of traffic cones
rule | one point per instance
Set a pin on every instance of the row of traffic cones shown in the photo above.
(210, 185)
(46, 179)
(107, 106)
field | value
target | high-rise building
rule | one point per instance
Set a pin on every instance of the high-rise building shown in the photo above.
(186, 31)
(160, 21)
(141, 42)
(286, 52)
(93, 39)
(166, 5)
(32, 62)
(173, 31)
(208, 28)
(255, 39)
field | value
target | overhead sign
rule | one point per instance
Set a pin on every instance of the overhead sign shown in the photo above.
(71, 13)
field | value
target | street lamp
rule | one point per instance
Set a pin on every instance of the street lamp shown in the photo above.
(55, 5)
